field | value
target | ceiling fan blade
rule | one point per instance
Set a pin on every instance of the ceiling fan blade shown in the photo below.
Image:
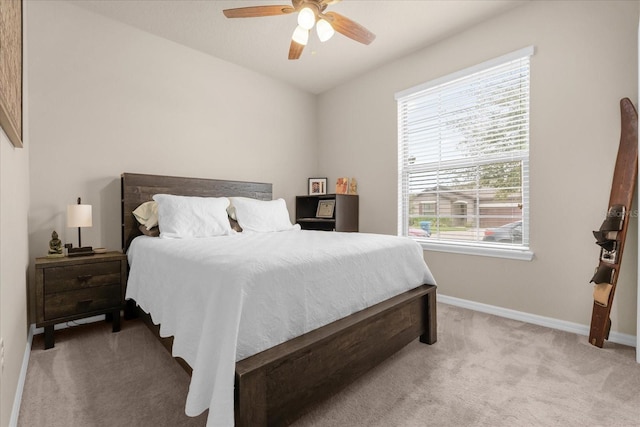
(256, 11)
(295, 50)
(329, 2)
(349, 28)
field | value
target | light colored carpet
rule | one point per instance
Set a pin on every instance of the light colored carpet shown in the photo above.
(483, 371)
(94, 378)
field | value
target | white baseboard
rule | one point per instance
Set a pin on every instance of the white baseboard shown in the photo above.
(17, 400)
(70, 324)
(15, 411)
(549, 322)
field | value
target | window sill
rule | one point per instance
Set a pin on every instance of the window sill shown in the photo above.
(509, 253)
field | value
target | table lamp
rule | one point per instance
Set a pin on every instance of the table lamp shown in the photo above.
(79, 216)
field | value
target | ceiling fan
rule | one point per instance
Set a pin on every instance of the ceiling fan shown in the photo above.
(310, 13)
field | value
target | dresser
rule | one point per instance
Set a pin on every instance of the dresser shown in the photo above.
(72, 288)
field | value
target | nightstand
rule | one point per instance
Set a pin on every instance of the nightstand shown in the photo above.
(344, 218)
(77, 287)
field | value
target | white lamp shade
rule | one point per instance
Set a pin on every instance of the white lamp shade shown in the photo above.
(325, 30)
(306, 18)
(300, 35)
(79, 216)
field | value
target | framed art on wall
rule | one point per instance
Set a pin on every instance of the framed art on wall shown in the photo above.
(11, 69)
(317, 186)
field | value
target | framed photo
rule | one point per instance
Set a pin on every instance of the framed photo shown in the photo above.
(317, 186)
(325, 208)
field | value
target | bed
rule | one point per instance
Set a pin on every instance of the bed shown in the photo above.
(277, 384)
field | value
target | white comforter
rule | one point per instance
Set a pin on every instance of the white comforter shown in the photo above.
(227, 298)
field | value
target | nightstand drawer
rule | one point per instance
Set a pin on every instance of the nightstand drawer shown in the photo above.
(59, 279)
(81, 301)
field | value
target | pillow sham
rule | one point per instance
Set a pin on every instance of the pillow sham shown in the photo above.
(260, 215)
(147, 214)
(182, 217)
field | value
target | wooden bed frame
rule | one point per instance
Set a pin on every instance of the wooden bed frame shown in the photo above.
(278, 385)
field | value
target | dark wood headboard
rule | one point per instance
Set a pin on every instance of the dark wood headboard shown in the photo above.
(138, 188)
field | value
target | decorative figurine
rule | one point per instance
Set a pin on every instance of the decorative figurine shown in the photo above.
(55, 246)
(353, 186)
(341, 185)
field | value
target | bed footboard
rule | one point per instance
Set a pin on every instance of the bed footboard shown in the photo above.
(276, 386)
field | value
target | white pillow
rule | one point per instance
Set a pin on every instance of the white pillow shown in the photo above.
(260, 215)
(147, 214)
(183, 217)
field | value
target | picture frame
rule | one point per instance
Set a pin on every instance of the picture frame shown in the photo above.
(317, 186)
(325, 208)
(11, 75)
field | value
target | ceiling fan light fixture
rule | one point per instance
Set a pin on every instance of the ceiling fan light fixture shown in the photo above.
(325, 30)
(309, 13)
(306, 18)
(300, 35)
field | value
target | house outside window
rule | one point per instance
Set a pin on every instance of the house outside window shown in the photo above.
(463, 144)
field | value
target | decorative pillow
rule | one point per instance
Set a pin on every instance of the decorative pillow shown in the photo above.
(260, 215)
(234, 225)
(231, 210)
(183, 217)
(147, 214)
(153, 232)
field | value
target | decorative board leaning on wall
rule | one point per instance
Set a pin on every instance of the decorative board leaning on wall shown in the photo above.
(11, 69)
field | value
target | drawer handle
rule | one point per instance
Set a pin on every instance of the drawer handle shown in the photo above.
(85, 278)
(85, 302)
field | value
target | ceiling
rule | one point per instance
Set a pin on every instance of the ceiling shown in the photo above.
(262, 44)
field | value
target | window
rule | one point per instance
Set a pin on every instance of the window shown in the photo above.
(428, 208)
(463, 144)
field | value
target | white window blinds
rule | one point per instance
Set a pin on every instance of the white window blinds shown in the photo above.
(463, 145)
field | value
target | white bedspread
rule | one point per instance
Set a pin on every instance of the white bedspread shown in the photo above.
(227, 298)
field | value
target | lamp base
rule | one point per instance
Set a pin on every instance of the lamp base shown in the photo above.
(86, 250)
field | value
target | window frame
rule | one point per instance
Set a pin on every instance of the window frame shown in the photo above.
(502, 250)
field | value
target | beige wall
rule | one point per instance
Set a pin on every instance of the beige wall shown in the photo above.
(107, 99)
(14, 257)
(14, 263)
(585, 62)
